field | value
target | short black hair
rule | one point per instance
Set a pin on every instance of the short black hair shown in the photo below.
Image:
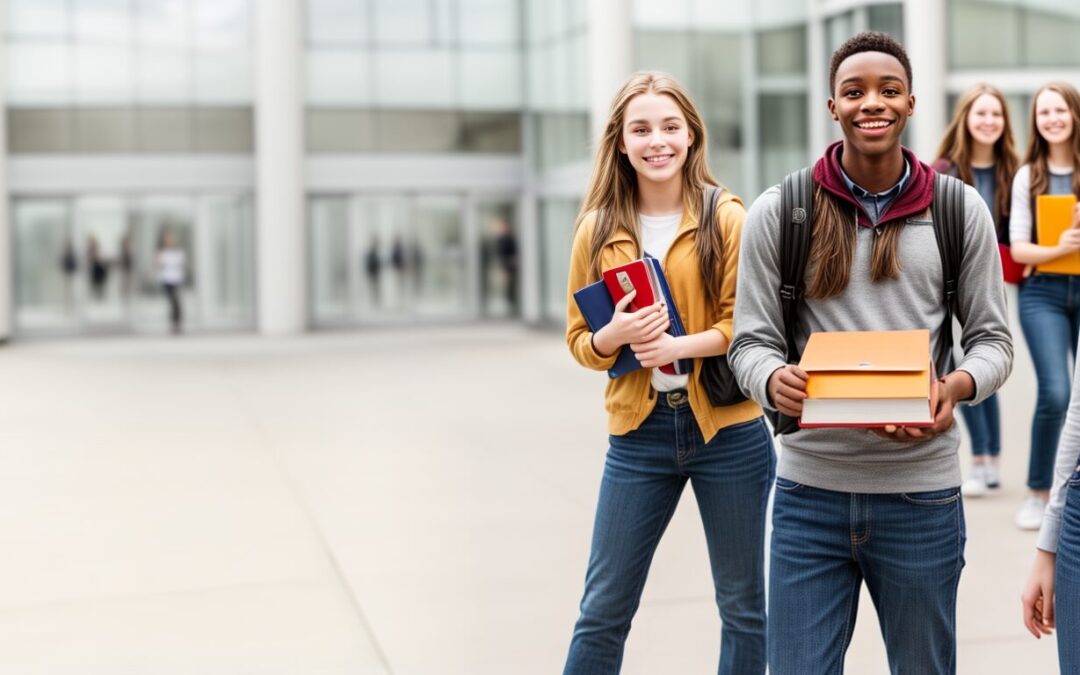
(870, 41)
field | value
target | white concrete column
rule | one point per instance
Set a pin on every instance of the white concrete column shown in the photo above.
(279, 145)
(7, 291)
(924, 40)
(817, 85)
(611, 57)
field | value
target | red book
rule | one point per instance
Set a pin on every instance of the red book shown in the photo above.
(636, 275)
(640, 275)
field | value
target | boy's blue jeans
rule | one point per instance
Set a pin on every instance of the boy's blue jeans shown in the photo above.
(1067, 581)
(644, 476)
(908, 548)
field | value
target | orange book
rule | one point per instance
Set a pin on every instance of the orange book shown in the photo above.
(1054, 215)
(869, 379)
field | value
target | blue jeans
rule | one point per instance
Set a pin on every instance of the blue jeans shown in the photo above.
(983, 423)
(909, 548)
(1050, 319)
(1067, 581)
(644, 476)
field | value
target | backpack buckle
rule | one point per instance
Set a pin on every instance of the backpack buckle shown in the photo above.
(787, 292)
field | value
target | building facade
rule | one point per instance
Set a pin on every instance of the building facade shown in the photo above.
(343, 163)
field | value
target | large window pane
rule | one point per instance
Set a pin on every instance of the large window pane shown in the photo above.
(556, 236)
(491, 132)
(488, 22)
(103, 21)
(224, 129)
(163, 23)
(222, 24)
(783, 135)
(403, 22)
(983, 34)
(338, 77)
(417, 131)
(337, 22)
(104, 74)
(223, 77)
(440, 266)
(782, 51)
(47, 265)
(39, 73)
(561, 138)
(415, 78)
(163, 76)
(491, 80)
(225, 257)
(330, 263)
(38, 18)
(1052, 38)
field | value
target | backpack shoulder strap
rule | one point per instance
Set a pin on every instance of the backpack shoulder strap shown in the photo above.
(796, 215)
(948, 215)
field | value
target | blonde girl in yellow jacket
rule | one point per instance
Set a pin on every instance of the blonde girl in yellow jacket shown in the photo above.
(645, 197)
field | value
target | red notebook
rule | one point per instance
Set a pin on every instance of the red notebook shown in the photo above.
(639, 275)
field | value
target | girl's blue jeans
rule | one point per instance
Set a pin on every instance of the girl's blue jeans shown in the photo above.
(644, 476)
(1050, 319)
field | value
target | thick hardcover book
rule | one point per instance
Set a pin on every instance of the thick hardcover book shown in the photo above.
(869, 379)
(1053, 215)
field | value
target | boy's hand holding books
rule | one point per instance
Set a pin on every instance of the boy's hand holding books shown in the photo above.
(631, 328)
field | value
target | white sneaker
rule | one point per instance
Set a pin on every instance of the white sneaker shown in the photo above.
(975, 485)
(1030, 515)
(992, 475)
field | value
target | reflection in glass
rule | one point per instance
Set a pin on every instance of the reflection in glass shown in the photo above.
(47, 265)
(101, 229)
(556, 236)
(430, 260)
(784, 136)
(329, 256)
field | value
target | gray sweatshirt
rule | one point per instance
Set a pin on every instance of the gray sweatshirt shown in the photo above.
(856, 460)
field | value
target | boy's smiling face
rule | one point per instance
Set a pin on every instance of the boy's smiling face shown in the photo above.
(871, 101)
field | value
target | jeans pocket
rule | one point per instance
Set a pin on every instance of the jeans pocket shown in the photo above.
(787, 485)
(932, 498)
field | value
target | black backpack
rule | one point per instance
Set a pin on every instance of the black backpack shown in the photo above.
(796, 213)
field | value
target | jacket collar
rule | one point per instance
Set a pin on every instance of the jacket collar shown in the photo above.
(915, 196)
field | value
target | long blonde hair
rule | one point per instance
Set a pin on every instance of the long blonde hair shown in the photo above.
(1038, 150)
(613, 187)
(957, 143)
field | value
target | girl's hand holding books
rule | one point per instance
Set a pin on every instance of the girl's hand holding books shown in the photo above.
(644, 325)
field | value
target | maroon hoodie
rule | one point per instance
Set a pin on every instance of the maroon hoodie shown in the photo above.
(916, 197)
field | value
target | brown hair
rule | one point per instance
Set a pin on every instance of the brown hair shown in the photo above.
(1038, 150)
(613, 187)
(832, 247)
(956, 146)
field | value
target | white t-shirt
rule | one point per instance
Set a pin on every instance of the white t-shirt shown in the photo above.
(657, 233)
(171, 263)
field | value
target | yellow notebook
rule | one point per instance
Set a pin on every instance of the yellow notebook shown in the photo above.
(1053, 215)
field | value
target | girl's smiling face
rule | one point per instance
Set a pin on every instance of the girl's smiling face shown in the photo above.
(986, 120)
(1052, 117)
(655, 137)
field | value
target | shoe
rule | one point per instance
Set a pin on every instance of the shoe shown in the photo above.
(1030, 515)
(975, 485)
(992, 475)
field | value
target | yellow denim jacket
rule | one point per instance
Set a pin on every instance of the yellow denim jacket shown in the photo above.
(629, 399)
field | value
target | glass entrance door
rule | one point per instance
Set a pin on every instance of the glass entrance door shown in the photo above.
(48, 266)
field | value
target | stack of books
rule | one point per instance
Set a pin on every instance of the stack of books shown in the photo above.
(597, 304)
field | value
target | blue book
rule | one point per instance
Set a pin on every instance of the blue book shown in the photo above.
(597, 308)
